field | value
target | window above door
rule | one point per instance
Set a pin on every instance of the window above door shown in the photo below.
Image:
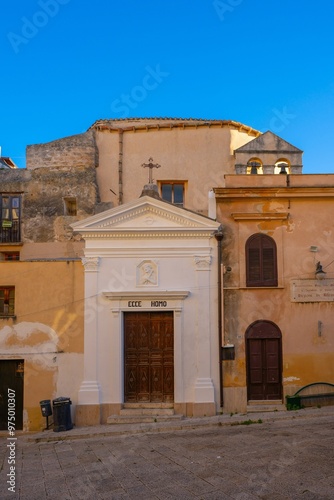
(173, 192)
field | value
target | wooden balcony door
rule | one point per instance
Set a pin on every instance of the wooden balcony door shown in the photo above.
(149, 357)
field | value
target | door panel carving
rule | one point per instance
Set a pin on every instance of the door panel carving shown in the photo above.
(149, 357)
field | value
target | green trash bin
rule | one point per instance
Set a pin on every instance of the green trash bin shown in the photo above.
(293, 402)
(62, 420)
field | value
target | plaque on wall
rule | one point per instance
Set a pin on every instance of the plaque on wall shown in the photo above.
(312, 290)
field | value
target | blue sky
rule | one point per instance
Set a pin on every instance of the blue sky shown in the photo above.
(265, 63)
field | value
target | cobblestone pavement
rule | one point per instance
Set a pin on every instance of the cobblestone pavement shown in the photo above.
(273, 459)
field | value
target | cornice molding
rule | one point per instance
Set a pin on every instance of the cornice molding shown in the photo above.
(148, 295)
(274, 192)
(260, 216)
(142, 234)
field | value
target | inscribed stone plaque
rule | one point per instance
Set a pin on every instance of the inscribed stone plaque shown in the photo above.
(312, 290)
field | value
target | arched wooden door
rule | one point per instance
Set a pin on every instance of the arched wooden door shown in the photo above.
(264, 361)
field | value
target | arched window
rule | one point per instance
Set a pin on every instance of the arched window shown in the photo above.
(261, 262)
(282, 166)
(254, 166)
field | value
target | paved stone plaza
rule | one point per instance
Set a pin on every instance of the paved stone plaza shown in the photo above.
(287, 456)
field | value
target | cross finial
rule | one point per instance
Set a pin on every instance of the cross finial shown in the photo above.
(150, 165)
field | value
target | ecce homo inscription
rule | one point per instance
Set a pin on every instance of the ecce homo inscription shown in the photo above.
(312, 290)
(152, 303)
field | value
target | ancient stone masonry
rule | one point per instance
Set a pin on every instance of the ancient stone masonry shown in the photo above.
(76, 151)
(44, 191)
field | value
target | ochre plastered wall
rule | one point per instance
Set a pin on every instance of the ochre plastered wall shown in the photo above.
(197, 153)
(47, 331)
(295, 213)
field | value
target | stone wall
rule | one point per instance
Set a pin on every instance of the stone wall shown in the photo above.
(43, 191)
(73, 151)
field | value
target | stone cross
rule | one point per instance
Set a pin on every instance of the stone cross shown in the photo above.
(150, 166)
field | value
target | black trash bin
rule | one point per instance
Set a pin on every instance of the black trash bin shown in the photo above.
(46, 407)
(62, 420)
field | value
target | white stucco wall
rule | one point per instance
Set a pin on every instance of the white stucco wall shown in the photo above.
(181, 248)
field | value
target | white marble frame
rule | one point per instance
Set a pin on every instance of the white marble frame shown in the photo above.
(120, 305)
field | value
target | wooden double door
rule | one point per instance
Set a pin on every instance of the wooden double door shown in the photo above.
(149, 357)
(264, 361)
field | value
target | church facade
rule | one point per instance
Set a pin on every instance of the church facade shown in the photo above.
(151, 276)
(169, 297)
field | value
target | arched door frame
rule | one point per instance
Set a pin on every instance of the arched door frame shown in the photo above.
(264, 361)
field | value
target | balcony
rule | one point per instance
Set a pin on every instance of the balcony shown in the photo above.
(10, 231)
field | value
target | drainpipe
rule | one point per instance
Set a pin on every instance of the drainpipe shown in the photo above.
(120, 166)
(219, 237)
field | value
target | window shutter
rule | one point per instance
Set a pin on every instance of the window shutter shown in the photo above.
(254, 264)
(268, 264)
(261, 266)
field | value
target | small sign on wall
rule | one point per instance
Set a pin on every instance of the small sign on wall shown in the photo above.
(312, 290)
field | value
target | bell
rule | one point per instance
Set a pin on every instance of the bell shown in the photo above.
(283, 169)
(253, 169)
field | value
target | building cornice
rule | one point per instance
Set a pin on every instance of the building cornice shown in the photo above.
(260, 216)
(148, 295)
(266, 192)
(143, 234)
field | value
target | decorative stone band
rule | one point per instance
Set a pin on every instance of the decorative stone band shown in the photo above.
(90, 264)
(143, 233)
(202, 263)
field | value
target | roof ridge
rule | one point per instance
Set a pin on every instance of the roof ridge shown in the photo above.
(166, 119)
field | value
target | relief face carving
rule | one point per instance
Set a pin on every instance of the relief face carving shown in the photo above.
(147, 273)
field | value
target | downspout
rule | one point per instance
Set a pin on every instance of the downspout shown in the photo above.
(219, 237)
(120, 166)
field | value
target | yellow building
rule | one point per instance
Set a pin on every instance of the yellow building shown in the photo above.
(41, 343)
(278, 314)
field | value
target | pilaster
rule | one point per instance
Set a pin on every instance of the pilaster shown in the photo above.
(89, 393)
(204, 388)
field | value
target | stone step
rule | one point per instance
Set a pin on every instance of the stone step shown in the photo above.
(148, 405)
(147, 411)
(265, 406)
(142, 419)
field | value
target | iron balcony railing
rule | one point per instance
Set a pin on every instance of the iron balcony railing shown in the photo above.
(10, 231)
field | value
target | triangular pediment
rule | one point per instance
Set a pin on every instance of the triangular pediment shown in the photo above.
(145, 214)
(268, 142)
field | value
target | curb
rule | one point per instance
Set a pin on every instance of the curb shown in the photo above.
(182, 425)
